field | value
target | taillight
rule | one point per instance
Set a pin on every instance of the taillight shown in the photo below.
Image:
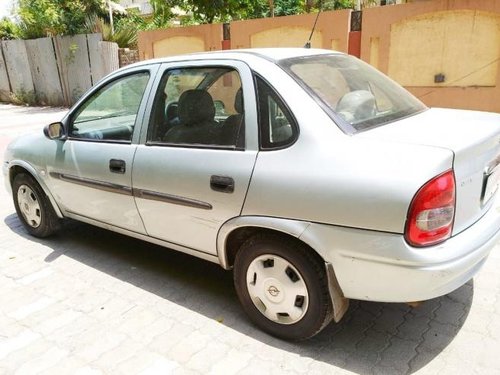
(431, 213)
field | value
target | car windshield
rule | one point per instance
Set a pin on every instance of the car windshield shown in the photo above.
(355, 94)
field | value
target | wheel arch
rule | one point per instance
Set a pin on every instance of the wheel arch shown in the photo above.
(236, 231)
(18, 167)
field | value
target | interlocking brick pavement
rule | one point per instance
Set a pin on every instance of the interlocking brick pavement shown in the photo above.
(89, 301)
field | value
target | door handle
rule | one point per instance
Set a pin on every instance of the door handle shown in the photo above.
(223, 184)
(117, 166)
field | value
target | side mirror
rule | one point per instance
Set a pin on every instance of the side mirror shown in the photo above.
(54, 130)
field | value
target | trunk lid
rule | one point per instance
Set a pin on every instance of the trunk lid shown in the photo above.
(473, 137)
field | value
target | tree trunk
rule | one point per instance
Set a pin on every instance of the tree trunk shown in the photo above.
(271, 7)
(309, 5)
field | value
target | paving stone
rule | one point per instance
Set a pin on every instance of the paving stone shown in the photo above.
(413, 327)
(87, 370)
(479, 321)
(450, 311)
(43, 362)
(438, 336)
(203, 359)
(114, 357)
(398, 354)
(94, 343)
(20, 341)
(164, 342)
(9, 328)
(160, 366)
(146, 362)
(234, 362)
(186, 348)
(21, 354)
(67, 365)
(31, 278)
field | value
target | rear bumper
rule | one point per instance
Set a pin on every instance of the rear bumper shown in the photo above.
(383, 267)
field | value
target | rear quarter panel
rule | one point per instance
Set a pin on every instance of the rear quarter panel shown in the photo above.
(329, 177)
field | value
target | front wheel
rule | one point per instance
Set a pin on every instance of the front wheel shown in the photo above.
(33, 207)
(283, 287)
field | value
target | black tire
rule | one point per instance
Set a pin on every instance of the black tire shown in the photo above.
(318, 312)
(37, 215)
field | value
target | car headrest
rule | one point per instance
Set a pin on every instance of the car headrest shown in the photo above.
(238, 101)
(196, 106)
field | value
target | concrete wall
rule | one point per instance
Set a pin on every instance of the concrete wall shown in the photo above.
(5, 88)
(456, 40)
(44, 71)
(18, 67)
(53, 71)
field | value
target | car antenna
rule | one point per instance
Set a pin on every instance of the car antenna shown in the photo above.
(308, 43)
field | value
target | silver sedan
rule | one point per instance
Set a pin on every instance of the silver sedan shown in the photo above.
(313, 176)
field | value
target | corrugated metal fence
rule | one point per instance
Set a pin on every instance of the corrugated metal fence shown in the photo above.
(54, 71)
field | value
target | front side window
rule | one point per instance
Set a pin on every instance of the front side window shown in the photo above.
(110, 113)
(352, 90)
(200, 107)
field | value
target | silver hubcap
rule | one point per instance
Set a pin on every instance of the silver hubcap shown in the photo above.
(29, 206)
(277, 289)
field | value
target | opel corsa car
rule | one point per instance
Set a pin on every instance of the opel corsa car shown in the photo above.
(313, 176)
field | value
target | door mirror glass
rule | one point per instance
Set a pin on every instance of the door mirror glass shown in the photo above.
(54, 130)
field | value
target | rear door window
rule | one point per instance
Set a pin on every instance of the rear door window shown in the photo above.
(198, 107)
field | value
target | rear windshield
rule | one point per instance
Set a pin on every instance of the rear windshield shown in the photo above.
(357, 96)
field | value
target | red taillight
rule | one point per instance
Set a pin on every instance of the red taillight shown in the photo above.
(431, 213)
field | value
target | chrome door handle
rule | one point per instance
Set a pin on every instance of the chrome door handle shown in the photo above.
(223, 184)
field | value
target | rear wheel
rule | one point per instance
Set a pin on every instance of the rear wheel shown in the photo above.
(282, 287)
(33, 207)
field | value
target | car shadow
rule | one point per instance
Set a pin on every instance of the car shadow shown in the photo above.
(373, 338)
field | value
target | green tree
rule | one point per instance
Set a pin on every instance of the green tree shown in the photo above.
(210, 11)
(287, 7)
(40, 18)
(124, 34)
(328, 4)
(8, 29)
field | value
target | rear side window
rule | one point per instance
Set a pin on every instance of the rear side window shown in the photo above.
(277, 126)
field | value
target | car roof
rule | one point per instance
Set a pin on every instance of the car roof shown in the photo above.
(272, 54)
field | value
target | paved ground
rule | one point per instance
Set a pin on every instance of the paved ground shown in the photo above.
(90, 301)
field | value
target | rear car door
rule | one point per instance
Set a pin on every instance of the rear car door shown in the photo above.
(191, 172)
(92, 170)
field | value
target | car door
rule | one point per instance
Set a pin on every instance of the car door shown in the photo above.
(91, 175)
(192, 172)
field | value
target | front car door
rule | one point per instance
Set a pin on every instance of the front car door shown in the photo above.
(192, 171)
(91, 176)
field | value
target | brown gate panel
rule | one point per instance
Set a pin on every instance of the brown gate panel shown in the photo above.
(332, 31)
(179, 40)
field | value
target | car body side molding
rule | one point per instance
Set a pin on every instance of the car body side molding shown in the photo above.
(137, 193)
